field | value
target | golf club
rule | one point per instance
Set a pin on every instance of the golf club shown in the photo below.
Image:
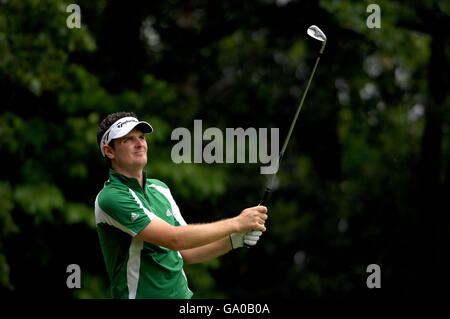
(317, 34)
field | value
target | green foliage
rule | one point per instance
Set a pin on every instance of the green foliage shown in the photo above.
(92, 287)
(6, 206)
(39, 200)
(79, 213)
(37, 59)
(201, 281)
(7, 228)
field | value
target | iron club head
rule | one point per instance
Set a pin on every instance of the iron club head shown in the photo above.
(316, 33)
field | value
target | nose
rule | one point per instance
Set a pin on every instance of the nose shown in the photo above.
(140, 143)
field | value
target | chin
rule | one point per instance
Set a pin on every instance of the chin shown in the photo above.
(142, 161)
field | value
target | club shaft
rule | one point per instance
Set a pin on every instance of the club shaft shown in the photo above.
(268, 189)
(291, 129)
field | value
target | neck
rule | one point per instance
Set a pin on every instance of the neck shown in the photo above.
(131, 173)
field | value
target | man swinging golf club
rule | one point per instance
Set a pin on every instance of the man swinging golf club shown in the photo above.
(143, 236)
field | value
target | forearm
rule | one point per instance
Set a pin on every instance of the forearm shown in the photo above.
(159, 232)
(207, 252)
(199, 235)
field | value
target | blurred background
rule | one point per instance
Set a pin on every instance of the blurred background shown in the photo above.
(365, 179)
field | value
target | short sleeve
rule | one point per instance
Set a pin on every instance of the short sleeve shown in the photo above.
(124, 210)
(164, 189)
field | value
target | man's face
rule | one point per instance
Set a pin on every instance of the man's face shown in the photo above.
(130, 151)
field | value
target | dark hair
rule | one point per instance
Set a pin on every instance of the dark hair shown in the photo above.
(106, 124)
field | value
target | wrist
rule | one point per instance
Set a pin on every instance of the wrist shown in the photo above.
(234, 225)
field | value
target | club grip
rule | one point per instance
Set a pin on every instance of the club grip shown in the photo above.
(265, 196)
(262, 203)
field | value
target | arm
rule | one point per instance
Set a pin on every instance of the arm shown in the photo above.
(179, 238)
(220, 247)
(206, 252)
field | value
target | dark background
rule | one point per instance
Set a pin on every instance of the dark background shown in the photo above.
(365, 179)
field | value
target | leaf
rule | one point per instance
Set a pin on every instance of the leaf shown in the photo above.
(7, 225)
(79, 213)
(39, 200)
(4, 273)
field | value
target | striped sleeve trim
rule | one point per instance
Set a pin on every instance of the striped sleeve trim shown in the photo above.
(175, 209)
(102, 217)
(146, 211)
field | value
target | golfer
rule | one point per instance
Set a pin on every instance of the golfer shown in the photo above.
(144, 239)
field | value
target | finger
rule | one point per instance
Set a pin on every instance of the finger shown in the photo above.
(250, 235)
(251, 242)
(261, 209)
(260, 227)
(251, 238)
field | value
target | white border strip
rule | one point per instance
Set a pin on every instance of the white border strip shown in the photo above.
(175, 209)
(134, 266)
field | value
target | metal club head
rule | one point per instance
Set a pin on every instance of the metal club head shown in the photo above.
(316, 33)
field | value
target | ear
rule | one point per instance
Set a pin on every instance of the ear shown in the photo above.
(109, 152)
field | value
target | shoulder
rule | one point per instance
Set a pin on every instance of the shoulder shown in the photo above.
(111, 193)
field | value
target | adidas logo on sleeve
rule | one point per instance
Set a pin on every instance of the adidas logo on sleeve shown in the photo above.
(134, 216)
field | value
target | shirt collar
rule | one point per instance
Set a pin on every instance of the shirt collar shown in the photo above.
(131, 182)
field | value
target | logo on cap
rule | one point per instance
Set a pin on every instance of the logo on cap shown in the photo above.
(120, 124)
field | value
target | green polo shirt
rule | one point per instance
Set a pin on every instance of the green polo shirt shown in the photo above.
(138, 269)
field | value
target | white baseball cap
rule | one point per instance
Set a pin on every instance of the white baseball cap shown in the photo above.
(122, 127)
